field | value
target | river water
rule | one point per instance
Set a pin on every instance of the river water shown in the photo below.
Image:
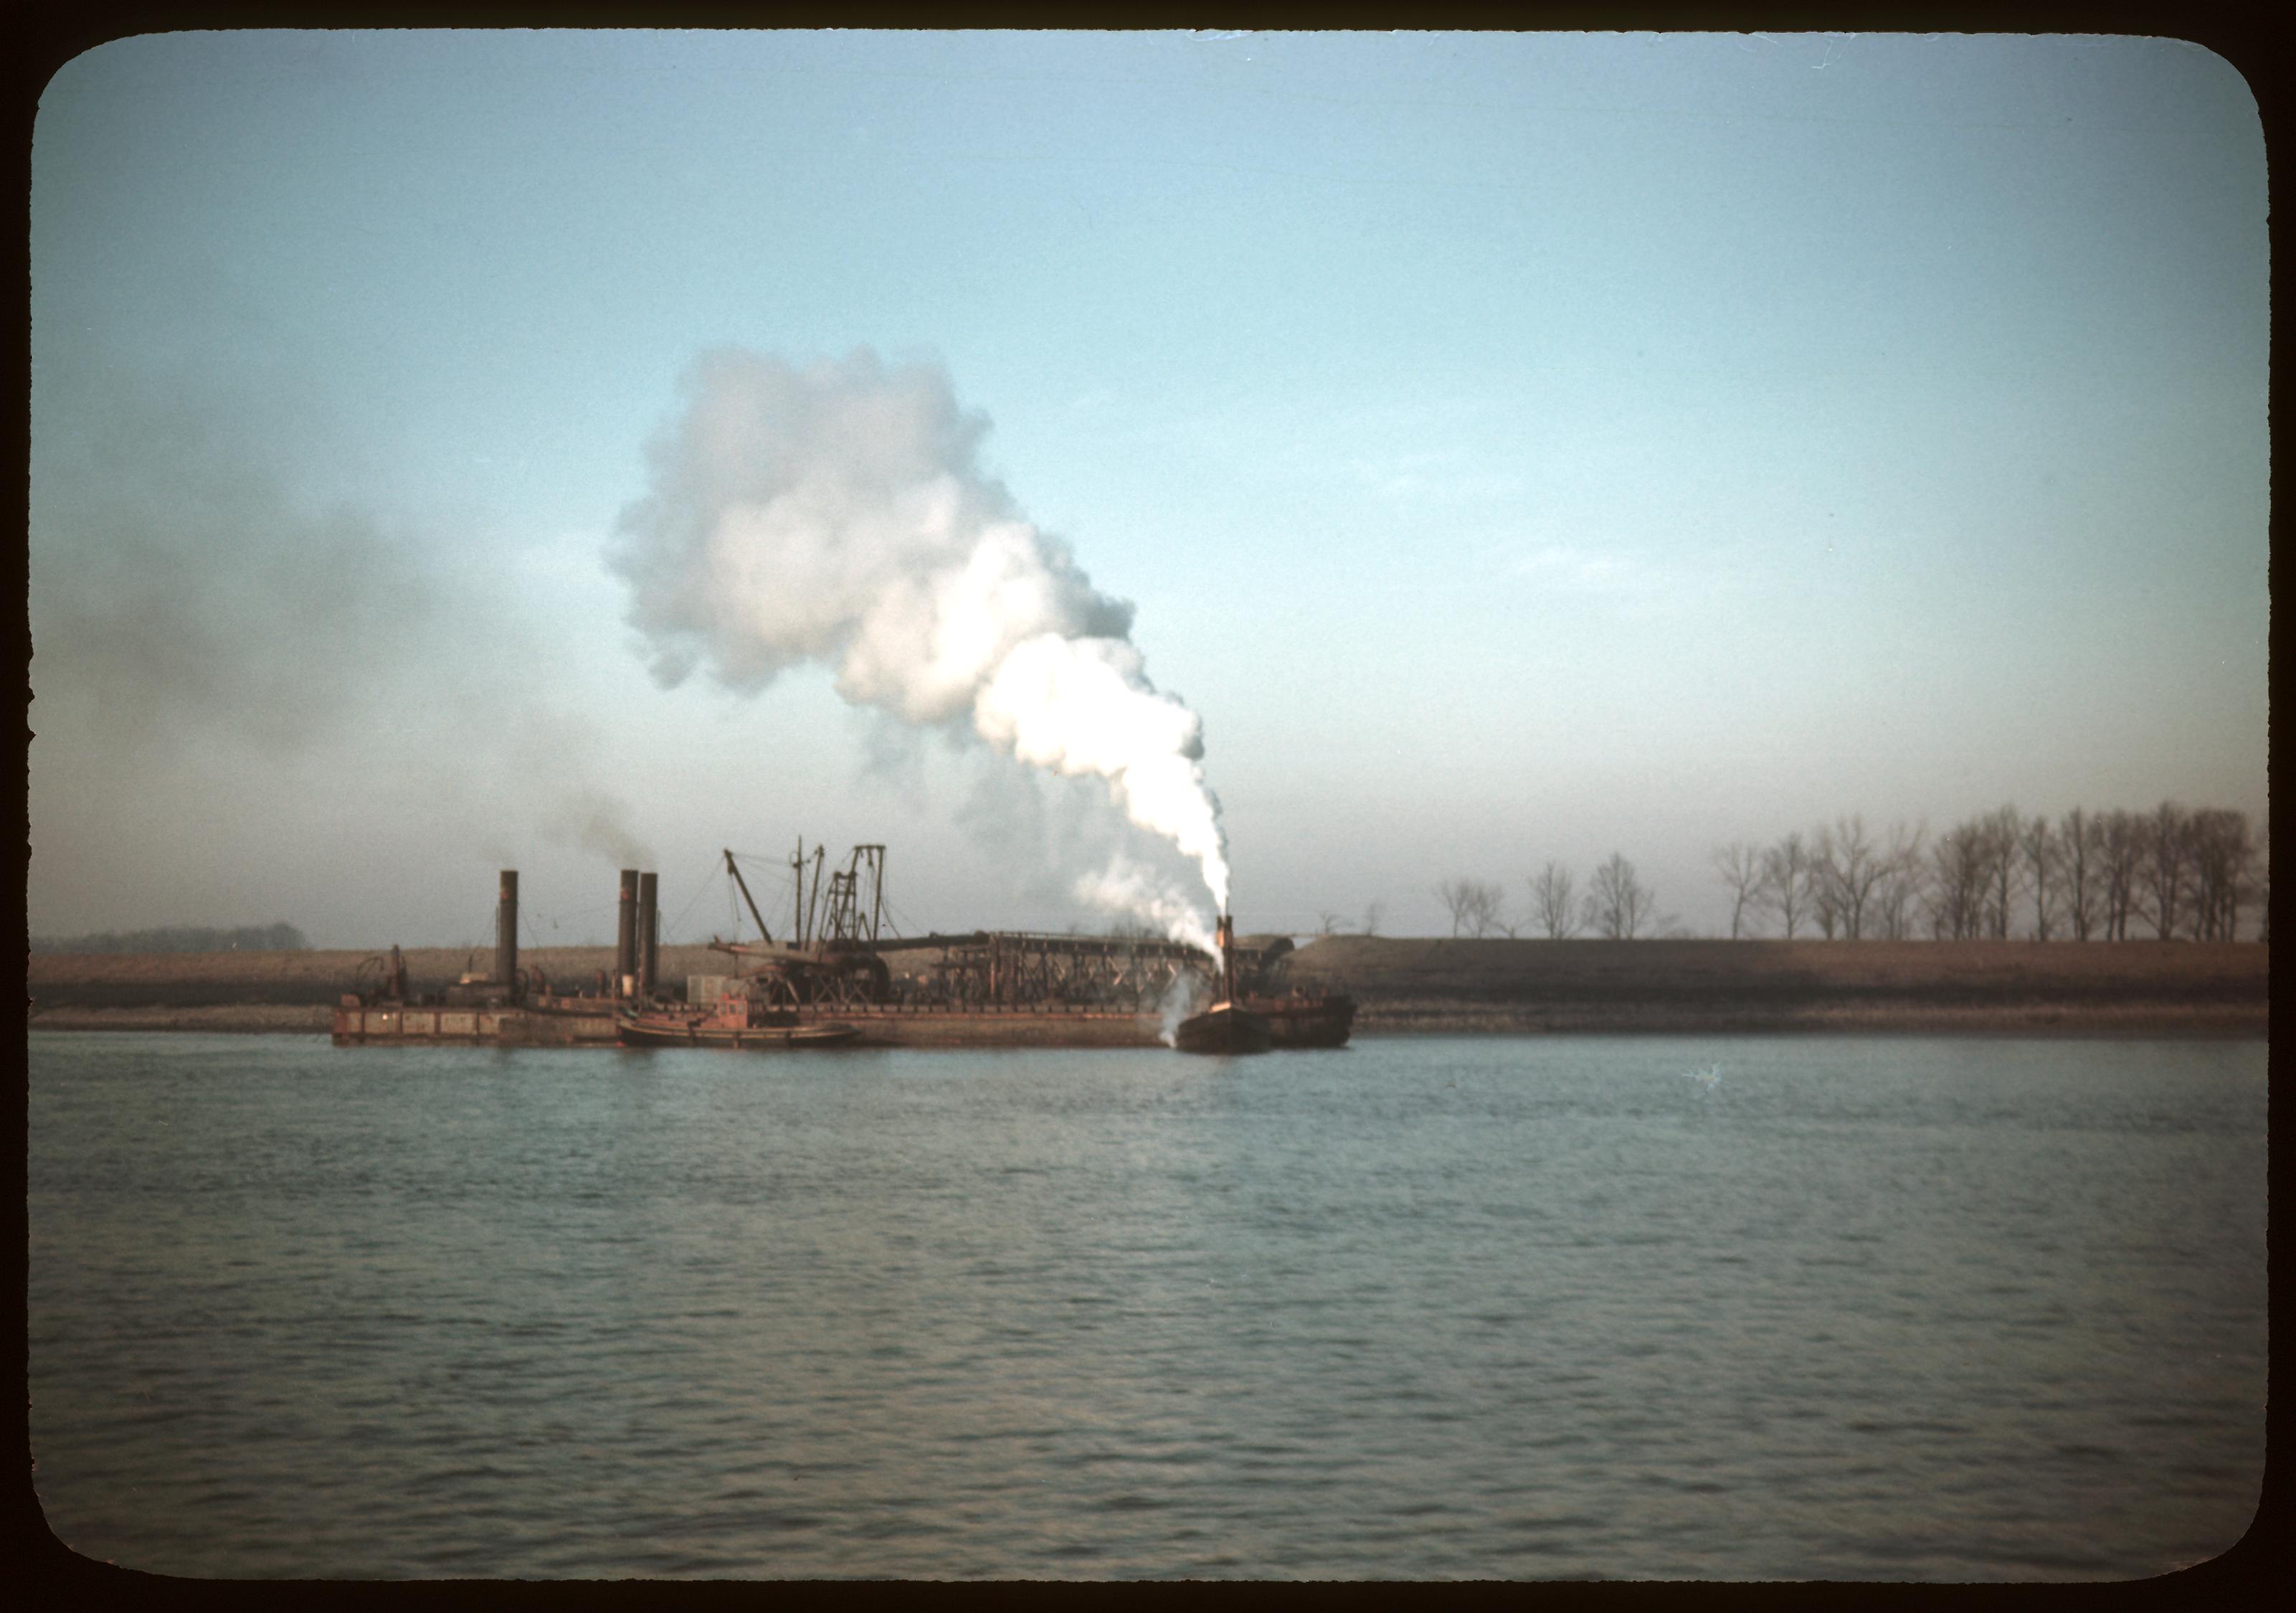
(1489, 1307)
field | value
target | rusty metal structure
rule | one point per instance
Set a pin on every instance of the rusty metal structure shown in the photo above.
(836, 961)
(511, 1003)
(839, 943)
(1011, 968)
(849, 920)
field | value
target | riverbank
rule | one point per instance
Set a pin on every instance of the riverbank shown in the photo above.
(2149, 1019)
(1423, 1019)
(240, 1017)
(1980, 988)
(1402, 986)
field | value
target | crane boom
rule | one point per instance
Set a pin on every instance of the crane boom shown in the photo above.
(752, 901)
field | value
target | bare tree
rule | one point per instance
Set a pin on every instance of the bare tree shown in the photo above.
(1847, 867)
(1474, 905)
(1740, 865)
(2184, 873)
(1997, 838)
(2120, 847)
(1456, 896)
(1617, 907)
(1825, 886)
(1375, 915)
(2164, 865)
(1490, 907)
(1975, 870)
(1786, 881)
(1959, 864)
(1458, 899)
(1899, 892)
(2037, 844)
(1550, 893)
(2078, 841)
(2222, 854)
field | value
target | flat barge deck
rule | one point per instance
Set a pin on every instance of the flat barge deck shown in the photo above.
(882, 1025)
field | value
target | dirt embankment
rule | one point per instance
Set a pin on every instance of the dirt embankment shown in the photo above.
(281, 991)
(2132, 987)
(1767, 985)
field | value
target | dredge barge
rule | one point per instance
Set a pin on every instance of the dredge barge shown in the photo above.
(841, 978)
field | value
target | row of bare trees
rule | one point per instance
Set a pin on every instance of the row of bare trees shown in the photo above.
(1616, 906)
(2171, 872)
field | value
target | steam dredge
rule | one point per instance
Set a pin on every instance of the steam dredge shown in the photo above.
(840, 977)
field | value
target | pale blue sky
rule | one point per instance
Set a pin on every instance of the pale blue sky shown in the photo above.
(1516, 447)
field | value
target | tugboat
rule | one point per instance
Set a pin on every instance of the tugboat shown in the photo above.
(1308, 1018)
(1227, 1026)
(734, 1022)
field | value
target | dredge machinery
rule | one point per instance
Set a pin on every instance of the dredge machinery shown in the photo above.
(840, 974)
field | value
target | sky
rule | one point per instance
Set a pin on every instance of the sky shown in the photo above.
(1511, 449)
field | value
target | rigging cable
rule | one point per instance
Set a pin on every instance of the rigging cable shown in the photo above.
(700, 886)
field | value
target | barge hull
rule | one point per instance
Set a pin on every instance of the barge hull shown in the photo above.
(384, 1025)
(881, 1027)
(892, 1027)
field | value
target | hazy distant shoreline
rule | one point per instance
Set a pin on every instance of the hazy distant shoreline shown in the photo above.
(1407, 1019)
(1402, 986)
(1401, 1020)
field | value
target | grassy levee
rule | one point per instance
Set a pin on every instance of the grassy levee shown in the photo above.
(1399, 984)
(177, 980)
(1457, 984)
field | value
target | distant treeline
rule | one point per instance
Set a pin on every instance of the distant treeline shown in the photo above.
(2171, 873)
(248, 938)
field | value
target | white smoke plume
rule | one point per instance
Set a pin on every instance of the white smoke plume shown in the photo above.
(1181, 999)
(1125, 886)
(836, 512)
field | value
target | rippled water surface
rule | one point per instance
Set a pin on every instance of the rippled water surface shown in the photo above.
(1486, 1307)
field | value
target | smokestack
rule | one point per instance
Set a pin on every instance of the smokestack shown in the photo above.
(626, 935)
(649, 932)
(507, 936)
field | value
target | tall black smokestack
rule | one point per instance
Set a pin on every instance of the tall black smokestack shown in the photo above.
(649, 932)
(507, 936)
(626, 935)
